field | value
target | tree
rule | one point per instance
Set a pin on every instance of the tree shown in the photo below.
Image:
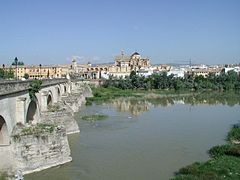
(1, 73)
(8, 74)
(16, 62)
(26, 76)
(133, 73)
(34, 88)
(48, 74)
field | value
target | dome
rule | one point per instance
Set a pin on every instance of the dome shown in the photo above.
(136, 53)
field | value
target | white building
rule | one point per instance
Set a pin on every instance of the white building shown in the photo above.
(145, 71)
(177, 72)
(236, 69)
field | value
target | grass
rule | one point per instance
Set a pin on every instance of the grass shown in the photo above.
(212, 97)
(234, 134)
(54, 108)
(94, 117)
(228, 149)
(37, 129)
(105, 94)
(223, 167)
(3, 176)
(225, 162)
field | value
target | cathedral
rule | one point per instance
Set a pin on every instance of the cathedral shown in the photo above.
(125, 64)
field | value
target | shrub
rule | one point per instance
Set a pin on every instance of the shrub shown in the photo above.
(234, 134)
(53, 108)
(229, 149)
(3, 176)
(34, 88)
(217, 151)
(191, 169)
(94, 117)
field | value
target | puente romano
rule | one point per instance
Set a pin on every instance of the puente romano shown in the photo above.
(17, 106)
(33, 136)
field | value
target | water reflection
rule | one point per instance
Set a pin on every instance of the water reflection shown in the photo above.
(133, 105)
(136, 106)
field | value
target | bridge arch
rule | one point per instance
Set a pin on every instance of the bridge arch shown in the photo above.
(58, 93)
(4, 135)
(32, 112)
(65, 89)
(49, 99)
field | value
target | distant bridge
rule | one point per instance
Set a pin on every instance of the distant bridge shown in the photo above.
(16, 106)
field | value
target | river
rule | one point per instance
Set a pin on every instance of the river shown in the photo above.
(145, 139)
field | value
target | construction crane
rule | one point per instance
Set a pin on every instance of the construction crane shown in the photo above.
(185, 62)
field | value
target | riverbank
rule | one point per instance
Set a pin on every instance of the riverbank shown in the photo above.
(101, 95)
(224, 162)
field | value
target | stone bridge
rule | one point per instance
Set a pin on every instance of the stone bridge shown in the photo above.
(16, 106)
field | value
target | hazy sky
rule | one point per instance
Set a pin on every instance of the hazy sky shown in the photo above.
(52, 31)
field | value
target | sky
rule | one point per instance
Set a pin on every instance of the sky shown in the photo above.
(166, 31)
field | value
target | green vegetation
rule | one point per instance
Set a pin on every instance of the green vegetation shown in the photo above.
(94, 117)
(34, 88)
(6, 74)
(104, 94)
(37, 130)
(26, 76)
(229, 149)
(3, 176)
(223, 167)
(197, 88)
(16, 62)
(234, 134)
(164, 97)
(54, 108)
(225, 163)
(19, 63)
(228, 81)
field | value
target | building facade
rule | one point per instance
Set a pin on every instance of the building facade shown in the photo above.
(38, 72)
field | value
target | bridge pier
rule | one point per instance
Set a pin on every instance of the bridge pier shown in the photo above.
(20, 110)
(57, 94)
(44, 96)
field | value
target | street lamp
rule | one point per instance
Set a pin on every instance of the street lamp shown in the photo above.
(16, 64)
(40, 65)
(3, 67)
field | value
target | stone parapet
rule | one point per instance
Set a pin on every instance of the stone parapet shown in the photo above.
(10, 87)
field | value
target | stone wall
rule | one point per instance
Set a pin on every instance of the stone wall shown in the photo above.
(35, 152)
(64, 117)
(64, 114)
(7, 159)
(78, 97)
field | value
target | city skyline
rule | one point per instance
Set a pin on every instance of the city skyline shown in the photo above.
(166, 32)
